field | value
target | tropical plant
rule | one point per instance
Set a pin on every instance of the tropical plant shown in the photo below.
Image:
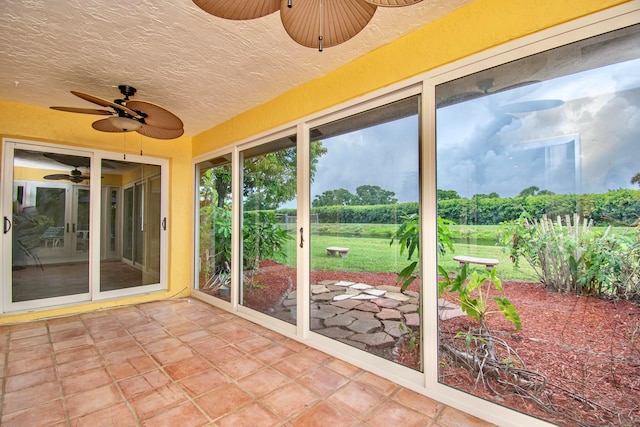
(571, 257)
(474, 293)
(408, 237)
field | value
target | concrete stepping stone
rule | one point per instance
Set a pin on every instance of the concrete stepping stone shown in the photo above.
(339, 320)
(367, 306)
(362, 315)
(319, 289)
(325, 297)
(388, 288)
(389, 314)
(393, 328)
(364, 297)
(397, 296)
(335, 333)
(408, 308)
(324, 312)
(412, 320)
(365, 326)
(344, 283)
(342, 297)
(387, 303)
(375, 292)
(361, 286)
(346, 304)
(376, 340)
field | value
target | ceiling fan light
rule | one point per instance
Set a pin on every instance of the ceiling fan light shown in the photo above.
(124, 123)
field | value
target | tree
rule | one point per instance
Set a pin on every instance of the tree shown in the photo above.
(447, 194)
(375, 195)
(529, 191)
(270, 179)
(339, 197)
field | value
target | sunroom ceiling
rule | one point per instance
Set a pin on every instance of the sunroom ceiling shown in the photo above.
(204, 69)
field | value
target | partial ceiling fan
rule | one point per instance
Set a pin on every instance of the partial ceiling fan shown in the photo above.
(75, 175)
(127, 115)
(310, 23)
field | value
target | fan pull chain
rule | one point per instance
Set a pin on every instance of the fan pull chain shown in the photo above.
(290, 4)
(320, 38)
(140, 143)
(124, 146)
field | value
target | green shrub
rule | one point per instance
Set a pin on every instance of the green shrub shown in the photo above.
(572, 257)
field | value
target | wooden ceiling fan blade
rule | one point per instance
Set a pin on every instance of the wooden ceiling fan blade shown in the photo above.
(238, 10)
(69, 160)
(341, 20)
(393, 3)
(156, 116)
(84, 111)
(105, 125)
(159, 133)
(57, 176)
(104, 102)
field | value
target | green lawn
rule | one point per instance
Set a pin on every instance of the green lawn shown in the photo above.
(376, 255)
(369, 249)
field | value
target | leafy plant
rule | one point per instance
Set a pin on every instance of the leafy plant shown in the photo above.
(408, 237)
(474, 291)
(571, 257)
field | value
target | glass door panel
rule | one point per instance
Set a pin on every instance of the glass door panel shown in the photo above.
(364, 210)
(269, 179)
(50, 208)
(130, 256)
(214, 229)
(539, 182)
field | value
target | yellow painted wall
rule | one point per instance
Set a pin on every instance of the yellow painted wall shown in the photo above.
(481, 25)
(29, 123)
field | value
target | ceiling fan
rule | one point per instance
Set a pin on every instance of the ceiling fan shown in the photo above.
(128, 115)
(74, 176)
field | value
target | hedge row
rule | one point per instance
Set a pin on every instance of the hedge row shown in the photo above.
(374, 214)
(620, 207)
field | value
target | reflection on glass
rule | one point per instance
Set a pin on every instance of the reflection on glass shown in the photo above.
(214, 228)
(268, 229)
(538, 162)
(130, 253)
(50, 238)
(364, 210)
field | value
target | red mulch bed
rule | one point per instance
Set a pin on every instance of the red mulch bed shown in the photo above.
(587, 346)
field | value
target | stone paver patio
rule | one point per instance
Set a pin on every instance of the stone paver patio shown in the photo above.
(363, 316)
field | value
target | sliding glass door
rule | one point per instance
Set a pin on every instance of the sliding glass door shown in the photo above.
(50, 206)
(269, 180)
(50, 227)
(364, 223)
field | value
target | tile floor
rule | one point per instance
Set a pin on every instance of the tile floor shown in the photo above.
(185, 363)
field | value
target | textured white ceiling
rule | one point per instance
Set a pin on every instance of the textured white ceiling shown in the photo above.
(203, 68)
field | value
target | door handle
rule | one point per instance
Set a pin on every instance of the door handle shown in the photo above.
(164, 223)
(74, 227)
(301, 238)
(7, 221)
(67, 227)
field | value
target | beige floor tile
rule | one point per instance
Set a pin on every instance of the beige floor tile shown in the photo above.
(250, 416)
(178, 363)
